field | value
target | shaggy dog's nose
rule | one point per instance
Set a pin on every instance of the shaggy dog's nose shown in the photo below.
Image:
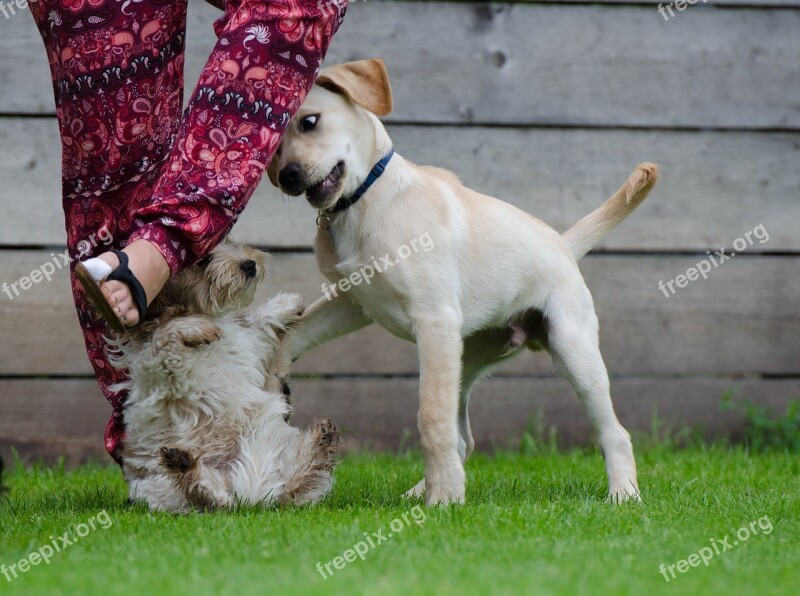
(249, 268)
(290, 179)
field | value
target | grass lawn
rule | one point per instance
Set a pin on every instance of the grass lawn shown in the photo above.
(534, 524)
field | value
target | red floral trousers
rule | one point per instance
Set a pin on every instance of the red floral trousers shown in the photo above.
(134, 165)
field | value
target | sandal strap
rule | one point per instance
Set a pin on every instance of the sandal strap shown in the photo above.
(124, 274)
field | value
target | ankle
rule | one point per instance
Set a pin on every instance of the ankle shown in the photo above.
(146, 258)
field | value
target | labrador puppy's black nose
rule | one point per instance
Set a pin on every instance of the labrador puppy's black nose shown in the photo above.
(291, 179)
(249, 268)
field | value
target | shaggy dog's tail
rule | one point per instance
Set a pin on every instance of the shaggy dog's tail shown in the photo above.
(594, 227)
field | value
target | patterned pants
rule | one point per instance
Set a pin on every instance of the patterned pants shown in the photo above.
(134, 166)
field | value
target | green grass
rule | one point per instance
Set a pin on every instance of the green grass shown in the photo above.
(534, 524)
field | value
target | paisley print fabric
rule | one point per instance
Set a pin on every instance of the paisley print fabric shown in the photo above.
(132, 162)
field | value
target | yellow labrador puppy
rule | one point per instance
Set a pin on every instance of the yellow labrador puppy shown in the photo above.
(496, 280)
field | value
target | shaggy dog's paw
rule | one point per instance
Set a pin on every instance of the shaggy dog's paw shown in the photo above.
(327, 435)
(312, 476)
(294, 306)
(176, 459)
(282, 311)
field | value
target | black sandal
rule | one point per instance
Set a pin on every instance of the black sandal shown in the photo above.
(95, 294)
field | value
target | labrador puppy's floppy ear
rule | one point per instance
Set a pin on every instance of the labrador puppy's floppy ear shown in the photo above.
(366, 82)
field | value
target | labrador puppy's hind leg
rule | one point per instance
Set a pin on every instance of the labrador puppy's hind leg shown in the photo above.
(574, 346)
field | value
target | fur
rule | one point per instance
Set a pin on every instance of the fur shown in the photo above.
(498, 280)
(206, 416)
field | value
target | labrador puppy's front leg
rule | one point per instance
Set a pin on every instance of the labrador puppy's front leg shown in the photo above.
(326, 320)
(440, 346)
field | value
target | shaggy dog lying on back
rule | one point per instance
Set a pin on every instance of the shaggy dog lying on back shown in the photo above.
(206, 416)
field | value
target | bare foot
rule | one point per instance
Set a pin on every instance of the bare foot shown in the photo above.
(149, 267)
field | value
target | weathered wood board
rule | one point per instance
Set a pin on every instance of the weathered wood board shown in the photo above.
(53, 418)
(742, 320)
(714, 187)
(552, 64)
(547, 105)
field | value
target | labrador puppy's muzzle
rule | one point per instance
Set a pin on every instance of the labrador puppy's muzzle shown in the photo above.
(294, 181)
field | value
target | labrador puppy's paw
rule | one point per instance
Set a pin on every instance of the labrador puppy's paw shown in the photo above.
(417, 491)
(445, 486)
(622, 494)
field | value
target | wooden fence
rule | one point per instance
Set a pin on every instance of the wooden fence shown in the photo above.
(548, 105)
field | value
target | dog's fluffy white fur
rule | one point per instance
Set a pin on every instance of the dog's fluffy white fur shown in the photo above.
(206, 418)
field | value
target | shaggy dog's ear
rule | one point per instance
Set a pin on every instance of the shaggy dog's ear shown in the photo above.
(272, 171)
(366, 82)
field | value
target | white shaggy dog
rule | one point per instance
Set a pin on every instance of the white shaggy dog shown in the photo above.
(206, 420)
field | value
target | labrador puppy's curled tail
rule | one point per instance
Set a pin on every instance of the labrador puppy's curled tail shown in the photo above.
(594, 227)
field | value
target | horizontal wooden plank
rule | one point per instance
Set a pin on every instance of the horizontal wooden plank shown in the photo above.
(710, 182)
(745, 3)
(66, 418)
(742, 320)
(689, 3)
(532, 64)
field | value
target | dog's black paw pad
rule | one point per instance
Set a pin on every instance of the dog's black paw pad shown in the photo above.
(178, 460)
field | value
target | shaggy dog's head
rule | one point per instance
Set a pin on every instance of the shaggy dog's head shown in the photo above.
(223, 282)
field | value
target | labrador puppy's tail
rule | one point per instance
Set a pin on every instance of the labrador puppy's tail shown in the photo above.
(594, 227)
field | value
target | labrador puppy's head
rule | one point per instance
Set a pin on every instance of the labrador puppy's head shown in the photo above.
(329, 147)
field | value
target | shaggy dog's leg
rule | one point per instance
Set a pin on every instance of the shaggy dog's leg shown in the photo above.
(171, 349)
(203, 487)
(158, 490)
(311, 472)
(274, 318)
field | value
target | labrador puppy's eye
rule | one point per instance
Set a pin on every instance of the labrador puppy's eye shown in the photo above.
(309, 123)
